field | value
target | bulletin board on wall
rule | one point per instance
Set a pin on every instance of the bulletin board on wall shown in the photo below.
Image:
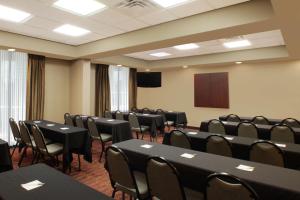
(211, 90)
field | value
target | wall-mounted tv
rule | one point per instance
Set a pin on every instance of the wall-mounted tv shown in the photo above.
(149, 79)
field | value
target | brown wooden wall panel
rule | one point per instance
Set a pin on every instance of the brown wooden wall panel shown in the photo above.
(211, 90)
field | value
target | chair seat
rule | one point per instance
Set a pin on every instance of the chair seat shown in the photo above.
(105, 137)
(169, 123)
(47, 141)
(142, 129)
(55, 148)
(192, 194)
(18, 140)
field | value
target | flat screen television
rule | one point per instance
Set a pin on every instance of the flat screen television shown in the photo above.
(149, 79)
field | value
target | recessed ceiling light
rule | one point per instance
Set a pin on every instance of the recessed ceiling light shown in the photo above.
(71, 30)
(237, 44)
(147, 70)
(238, 62)
(160, 54)
(13, 15)
(187, 46)
(119, 65)
(11, 49)
(185, 66)
(169, 3)
(80, 7)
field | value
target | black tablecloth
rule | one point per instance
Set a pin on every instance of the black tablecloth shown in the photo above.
(5, 159)
(74, 139)
(263, 130)
(176, 117)
(241, 147)
(268, 181)
(272, 121)
(57, 185)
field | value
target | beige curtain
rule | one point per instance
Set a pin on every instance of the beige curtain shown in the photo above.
(132, 88)
(102, 93)
(35, 88)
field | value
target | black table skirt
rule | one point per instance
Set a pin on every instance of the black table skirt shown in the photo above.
(263, 130)
(74, 139)
(58, 186)
(241, 147)
(5, 159)
(269, 182)
(176, 117)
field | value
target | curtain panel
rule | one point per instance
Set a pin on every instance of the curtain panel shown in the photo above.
(102, 93)
(132, 88)
(35, 93)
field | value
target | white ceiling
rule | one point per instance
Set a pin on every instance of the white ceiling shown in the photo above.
(258, 40)
(112, 21)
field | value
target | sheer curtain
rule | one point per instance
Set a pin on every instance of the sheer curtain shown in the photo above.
(118, 80)
(12, 90)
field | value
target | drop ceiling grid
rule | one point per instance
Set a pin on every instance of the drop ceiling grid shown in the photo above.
(112, 21)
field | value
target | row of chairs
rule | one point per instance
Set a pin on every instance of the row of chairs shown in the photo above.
(263, 120)
(40, 146)
(261, 151)
(279, 132)
(163, 181)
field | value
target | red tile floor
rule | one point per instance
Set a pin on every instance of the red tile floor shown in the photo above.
(92, 174)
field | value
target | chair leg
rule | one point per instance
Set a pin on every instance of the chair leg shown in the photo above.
(79, 162)
(123, 195)
(22, 156)
(113, 193)
(142, 135)
(34, 156)
(17, 144)
(137, 135)
(102, 150)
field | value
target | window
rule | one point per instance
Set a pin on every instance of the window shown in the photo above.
(118, 80)
(13, 67)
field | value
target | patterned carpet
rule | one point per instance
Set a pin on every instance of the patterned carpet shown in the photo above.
(92, 174)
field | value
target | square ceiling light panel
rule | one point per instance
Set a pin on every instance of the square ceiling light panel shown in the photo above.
(169, 3)
(160, 54)
(237, 44)
(187, 46)
(80, 7)
(13, 15)
(71, 30)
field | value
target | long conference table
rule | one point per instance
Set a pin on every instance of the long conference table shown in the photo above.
(74, 139)
(5, 159)
(240, 146)
(268, 181)
(272, 121)
(264, 131)
(54, 185)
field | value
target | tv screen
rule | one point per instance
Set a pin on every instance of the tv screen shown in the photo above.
(149, 79)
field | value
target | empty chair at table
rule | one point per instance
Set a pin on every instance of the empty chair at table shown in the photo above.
(166, 122)
(108, 114)
(103, 138)
(233, 118)
(219, 145)
(119, 115)
(146, 111)
(16, 133)
(291, 122)
(68, 119)
(136, 126)
(164, 182)
(50, 150)
(260, 120)
(134, 109)
(216, 126)
(282, 133)
(122, 177)
(79, 122)
(247, 129)
(222, 186)
(266, 152)
(180, 139)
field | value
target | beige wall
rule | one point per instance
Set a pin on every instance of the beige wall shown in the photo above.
(57, 89)
(270, 89)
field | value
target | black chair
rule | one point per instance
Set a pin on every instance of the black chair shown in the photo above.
(222, 186)
(16, 133)
(135, 125)
(164, 182)
(260, 120)
(119, 115)
(247, 129)
(180, 139)
(291, 122)
(108, 114)
(216, 126)
(134, 109)
(146, 111)
(166, 122)
(267, 152)
(233, 118)
(219, 145)
(79, 122)
(282, 133)
(122, 177)
(68, 119)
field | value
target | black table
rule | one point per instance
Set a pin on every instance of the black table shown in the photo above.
(263, 130)
(240, 146)
(268, 181)
(74, 139)
(57, 185)
(272, 121)
(176, 117)
(5, 159)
